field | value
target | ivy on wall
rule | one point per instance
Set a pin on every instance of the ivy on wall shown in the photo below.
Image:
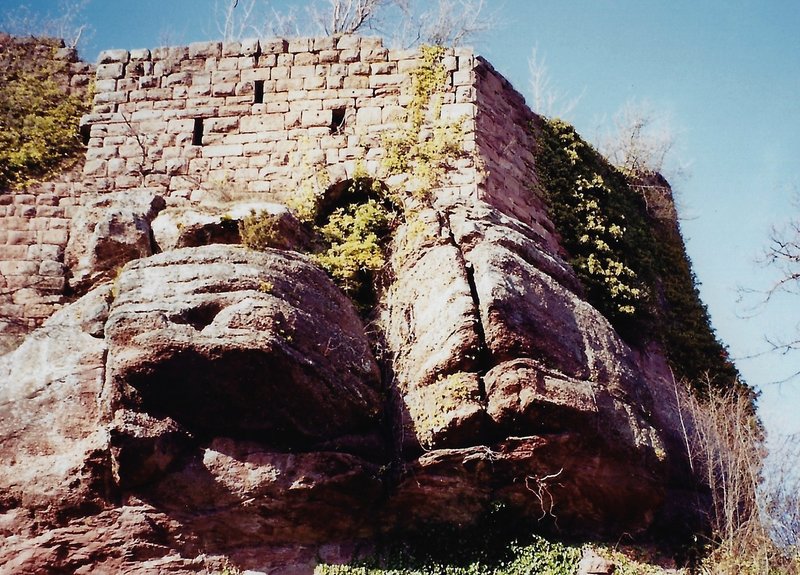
(39, 131)
(633, 266)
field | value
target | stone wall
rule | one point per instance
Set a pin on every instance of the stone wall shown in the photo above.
(257, 118)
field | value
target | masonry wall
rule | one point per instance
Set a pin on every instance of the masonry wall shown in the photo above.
(257, 118)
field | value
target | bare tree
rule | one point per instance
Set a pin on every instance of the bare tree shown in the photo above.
(547, 100)
(641, 140)
(404, 22)
(68, 23)
(347, 16)
(783, 255)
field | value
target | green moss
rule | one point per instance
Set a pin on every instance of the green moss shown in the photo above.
(634, 267)
(39, 131)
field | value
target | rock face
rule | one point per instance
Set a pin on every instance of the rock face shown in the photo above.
(214, 403)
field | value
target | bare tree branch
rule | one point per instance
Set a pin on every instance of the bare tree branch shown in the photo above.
(547, 100)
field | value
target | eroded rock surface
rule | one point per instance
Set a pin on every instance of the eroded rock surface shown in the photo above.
(213, 402)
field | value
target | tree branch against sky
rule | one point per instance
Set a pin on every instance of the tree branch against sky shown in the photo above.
(404, 23)
(67, 21)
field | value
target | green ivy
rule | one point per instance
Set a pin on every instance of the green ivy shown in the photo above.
(633, 267)
(39, 122)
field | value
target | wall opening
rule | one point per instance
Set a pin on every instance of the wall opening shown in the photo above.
(258, 97)
(86, 133)
(337, 120)
(197, 133)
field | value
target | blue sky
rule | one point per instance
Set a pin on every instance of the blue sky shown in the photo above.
(726, 72)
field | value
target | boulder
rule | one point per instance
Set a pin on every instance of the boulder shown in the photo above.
(179, 227)
(53, 439)
(108, 231)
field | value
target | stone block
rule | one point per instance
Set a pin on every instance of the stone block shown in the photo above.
(255, 74)
(222, 125)
(49, 212)
(58, 237)
(267, 122)
(141, 54)
(379, 54)
(348, 42)
(302, 71)
(356, 82)
(324, 43)
(250, 46)
(94, 167)
(284, 60)
(313, 83)
(18, 268)
(383, 80)
(456, 111)
(227, 64)
(223, 89)
(279, 72)
(358, 69)
(51, 268)
(306, 59)
(369, 116)
(205, 50)
(328, 56)
(225, 76)
(383, 68)
(16, 252)
(105, 85)
(463, 78)
(113, 56)
(311, 118)
(297, 45)
(114, 71)
(222, 150)
(288, 84)
(347, 56)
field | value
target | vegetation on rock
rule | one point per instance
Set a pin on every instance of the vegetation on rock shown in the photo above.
(39, 130)
(633, 266)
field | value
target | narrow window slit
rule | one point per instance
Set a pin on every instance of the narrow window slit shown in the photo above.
(86, 134)
(337, 120)
(258, 98)
(197, 133)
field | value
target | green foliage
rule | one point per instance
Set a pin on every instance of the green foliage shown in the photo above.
(595, 214)
(39, 130)
(538, 556)
(353, 236)
(424, 147)
(634, 267)
(260, 230)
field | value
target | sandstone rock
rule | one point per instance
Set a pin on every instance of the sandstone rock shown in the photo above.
(52, 435)
(430, 330)
(190, 227)
(592, 564)
(232, 342)
(108, 232)
(236, 494)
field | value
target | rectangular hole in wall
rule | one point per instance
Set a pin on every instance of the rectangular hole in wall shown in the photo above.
(258, 98)
(197, 133)
(86, 134)
(337, 120)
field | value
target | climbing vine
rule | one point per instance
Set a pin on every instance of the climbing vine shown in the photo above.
(39, 129)
(426, 144)
(634, 267)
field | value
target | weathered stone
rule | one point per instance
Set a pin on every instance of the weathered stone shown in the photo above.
(190, 227)
(108, 232)
(232, 342)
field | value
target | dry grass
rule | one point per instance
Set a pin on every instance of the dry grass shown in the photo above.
(755, 511)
